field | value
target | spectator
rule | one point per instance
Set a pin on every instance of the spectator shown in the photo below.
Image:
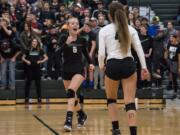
(145, 21)
(90, 38)
(4, 5)
(86, 14)
(55, 6)
(136, 12)
(173, 55)
(26, 36)
(137, 25)
(100, 10)
(131, 18)
(154, 27)
(170, 31)
(77, 13)
(98, 74)
(158, 57)
(35, 25)
(8, 54)
(101, 21)
(33, 58)
(46, 13)
(147, 44)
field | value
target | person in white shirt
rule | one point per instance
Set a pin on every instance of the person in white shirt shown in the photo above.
(115, 42)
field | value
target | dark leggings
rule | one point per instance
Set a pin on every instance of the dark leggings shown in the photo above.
(33, 74)
(174, 81)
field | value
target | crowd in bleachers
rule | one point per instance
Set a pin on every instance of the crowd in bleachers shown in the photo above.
(21, 21)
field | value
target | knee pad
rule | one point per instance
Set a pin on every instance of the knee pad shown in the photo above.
(111, 101)
(71, 93)
(130, 106)
(76, 103)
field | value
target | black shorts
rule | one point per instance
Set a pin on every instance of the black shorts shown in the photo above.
(69, 75)
(117, 69)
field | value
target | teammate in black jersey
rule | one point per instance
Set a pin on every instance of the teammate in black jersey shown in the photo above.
(73, 47)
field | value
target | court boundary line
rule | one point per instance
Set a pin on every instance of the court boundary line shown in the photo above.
(46, 125)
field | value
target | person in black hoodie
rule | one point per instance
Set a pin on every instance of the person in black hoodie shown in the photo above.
(147, 44)
(33, 58)
(158, 60)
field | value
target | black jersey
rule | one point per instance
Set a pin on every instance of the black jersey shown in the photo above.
(72, 54)
(173, 51)
(34, 56)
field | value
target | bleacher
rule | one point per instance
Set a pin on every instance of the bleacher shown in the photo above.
(165, 9)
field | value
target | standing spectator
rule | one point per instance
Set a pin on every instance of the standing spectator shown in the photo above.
(87, 14)
(55, 6)
(4, 5)
(101, 21)
(90, 38)
(131, 18)
(170, 31)
(35, 25)
(173, 55)
(46, 13)
(8, 54)
(158, 57)
(147, 44)
(33, 58)
(76, 12)
(145, 21)
(26, 37)
(154, 27)
(137, 25)
(100, 10)
(136, 12)
(98, 74)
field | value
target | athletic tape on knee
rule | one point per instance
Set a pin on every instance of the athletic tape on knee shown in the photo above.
(130, 106)
(111, 101)
(71, 93)
(76, 103)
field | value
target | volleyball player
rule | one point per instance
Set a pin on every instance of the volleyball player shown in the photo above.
(73, 47)
(115, 42)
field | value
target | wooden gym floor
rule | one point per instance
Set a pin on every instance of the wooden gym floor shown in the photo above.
(49, 120)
